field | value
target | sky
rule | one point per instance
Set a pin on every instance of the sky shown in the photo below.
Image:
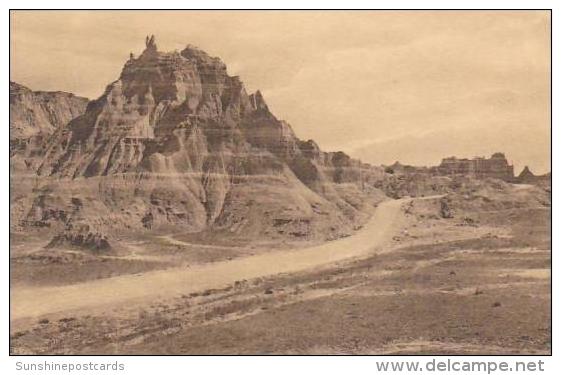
(413, 86)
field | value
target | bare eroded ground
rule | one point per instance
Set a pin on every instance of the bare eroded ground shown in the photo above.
(409, 282)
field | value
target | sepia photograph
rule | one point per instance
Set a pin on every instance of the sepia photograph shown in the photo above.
(280, 182)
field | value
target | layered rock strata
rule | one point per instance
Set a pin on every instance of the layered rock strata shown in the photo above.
(177, 144)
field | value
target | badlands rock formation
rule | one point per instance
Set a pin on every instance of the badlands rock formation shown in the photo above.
(34, 116)
(177, 144)
(527, 177)
(41, 112)
(495, 167)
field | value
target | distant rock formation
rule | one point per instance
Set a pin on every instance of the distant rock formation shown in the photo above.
(495, 167)
(41, 112)
(34, 116)
(527, 177)
(399, 168)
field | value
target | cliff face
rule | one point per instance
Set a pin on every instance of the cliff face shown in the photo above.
(41, 112)
(34, 116)
(177, 143)
(495, 167)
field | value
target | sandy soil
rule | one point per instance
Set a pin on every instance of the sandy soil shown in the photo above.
(432, 285)
(29, 302)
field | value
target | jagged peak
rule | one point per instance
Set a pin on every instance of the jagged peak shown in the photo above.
(151, 42)
(526, 172)
(257, 101)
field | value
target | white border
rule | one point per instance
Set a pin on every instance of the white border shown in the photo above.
(265, 365)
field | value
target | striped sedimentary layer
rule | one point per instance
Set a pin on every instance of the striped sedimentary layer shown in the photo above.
(176, 143)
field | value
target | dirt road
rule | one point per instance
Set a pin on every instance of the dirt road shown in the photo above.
(30, 302)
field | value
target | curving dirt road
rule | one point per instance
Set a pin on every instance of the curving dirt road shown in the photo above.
(30, 302)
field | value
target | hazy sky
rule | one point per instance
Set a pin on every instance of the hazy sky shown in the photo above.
(383, 85)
